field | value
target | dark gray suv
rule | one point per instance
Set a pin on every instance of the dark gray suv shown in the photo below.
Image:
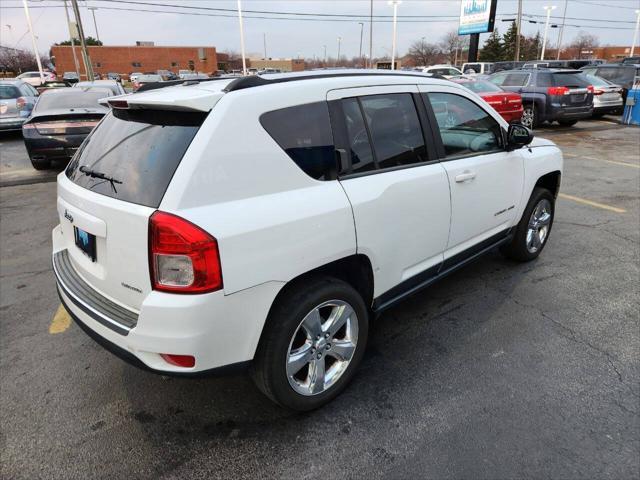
(549, 95)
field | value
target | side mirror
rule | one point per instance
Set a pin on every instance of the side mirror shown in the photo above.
(518, 136)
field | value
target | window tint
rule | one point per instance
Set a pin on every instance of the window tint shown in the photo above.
(304, 132)
(571, 80)
(25, 91)
(544, 80)
(515, 80)
(52, 99)
(140, 149)
(8, 92)
(465, 128)
(498, 78)
(395, 129)
(360, 148)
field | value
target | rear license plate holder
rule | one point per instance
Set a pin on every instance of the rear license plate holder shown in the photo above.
(86, 242)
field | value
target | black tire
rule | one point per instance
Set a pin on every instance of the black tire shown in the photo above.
(41, 164)
(517, 249)
(269, 366)
(597, 115)
(567, 123)
(530, 117)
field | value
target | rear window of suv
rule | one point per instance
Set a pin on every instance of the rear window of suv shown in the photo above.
(139, 150)
(8, 92)
(571, 80)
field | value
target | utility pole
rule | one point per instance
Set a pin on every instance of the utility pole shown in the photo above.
(244, 59)
(73, 42)
(361, 30)
(95, 24)
(338, 59)
(264, 41)
(395, 4)
(518, 27)
(546, 29)
(635, 34)
(324, 62)
(371, 34)
(564, 16)
(33, 40)
(85, 54)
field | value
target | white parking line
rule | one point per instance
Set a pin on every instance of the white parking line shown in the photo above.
(586, 157)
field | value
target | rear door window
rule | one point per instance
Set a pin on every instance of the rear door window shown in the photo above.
(516, 80)
(304, 133)
(359, 144)
(139, 150)
(395, 130)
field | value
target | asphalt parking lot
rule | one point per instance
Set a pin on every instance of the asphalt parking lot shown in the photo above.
(502, 370)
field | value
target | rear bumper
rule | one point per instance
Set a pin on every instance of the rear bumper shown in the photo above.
(570, 113)
(512, 116)
(58, 147)
(11, 123)
(218, 330)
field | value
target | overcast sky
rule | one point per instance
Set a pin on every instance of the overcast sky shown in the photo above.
(302, 35)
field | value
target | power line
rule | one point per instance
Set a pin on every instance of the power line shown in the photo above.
(424, 19)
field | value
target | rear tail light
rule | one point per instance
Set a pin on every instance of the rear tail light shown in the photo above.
(183, 258)
(20, 103)
(62, 127)
(185, 361)
(558, 91)
(590, 88)
(598, 92)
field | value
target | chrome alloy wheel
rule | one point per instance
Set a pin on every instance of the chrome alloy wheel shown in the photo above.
(527, 117)
(322, 347)
(539, 225)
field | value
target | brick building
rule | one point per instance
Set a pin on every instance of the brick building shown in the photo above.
(139, 58)
(283, 64)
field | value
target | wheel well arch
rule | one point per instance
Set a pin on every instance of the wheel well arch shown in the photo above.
(550, 181)
(355, 269)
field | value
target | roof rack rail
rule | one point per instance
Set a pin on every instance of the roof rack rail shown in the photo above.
(257, 81)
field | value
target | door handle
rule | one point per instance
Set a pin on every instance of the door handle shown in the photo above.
(465, 177)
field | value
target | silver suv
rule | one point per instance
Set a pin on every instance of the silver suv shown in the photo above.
(17, 99)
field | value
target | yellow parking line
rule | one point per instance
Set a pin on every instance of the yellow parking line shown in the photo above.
(624, 164)
(61, 321)
(584, 201)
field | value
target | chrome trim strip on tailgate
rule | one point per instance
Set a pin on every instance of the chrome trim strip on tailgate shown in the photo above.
(98, 307)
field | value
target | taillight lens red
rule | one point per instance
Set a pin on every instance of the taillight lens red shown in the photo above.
(598, 92)
(558, 91)
(590, 88)
(20, 103)
(183, 258)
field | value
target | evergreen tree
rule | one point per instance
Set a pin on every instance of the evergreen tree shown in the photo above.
(492, 50)
(509, 42)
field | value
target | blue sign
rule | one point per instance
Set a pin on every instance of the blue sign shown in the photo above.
(476, 16)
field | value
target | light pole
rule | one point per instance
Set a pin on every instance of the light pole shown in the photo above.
(338, 59)
(371, 34)
(73, 42)
(518, 27)
(264, 41)
(244, 59)
(395, 4)
(361, 30)
(564, 16)
(635, 33)
(324, 62)
(546, 29)
(95, 24)
(33, 40)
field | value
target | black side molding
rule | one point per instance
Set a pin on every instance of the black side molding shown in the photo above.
(433, 274)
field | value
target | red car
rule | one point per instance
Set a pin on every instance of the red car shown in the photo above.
(507, 104)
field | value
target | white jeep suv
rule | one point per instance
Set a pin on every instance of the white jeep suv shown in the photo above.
(262, 222)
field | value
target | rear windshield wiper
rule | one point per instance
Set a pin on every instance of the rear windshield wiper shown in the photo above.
(103, 176)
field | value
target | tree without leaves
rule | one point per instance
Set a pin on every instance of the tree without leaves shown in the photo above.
(18, 61)
(452, 42)
(582, 45)
(422, 53)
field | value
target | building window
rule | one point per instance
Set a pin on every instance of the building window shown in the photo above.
(136, 64)
(174, 64)
(192, 65)
(98, 64)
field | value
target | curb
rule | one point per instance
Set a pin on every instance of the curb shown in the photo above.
(28, 181)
